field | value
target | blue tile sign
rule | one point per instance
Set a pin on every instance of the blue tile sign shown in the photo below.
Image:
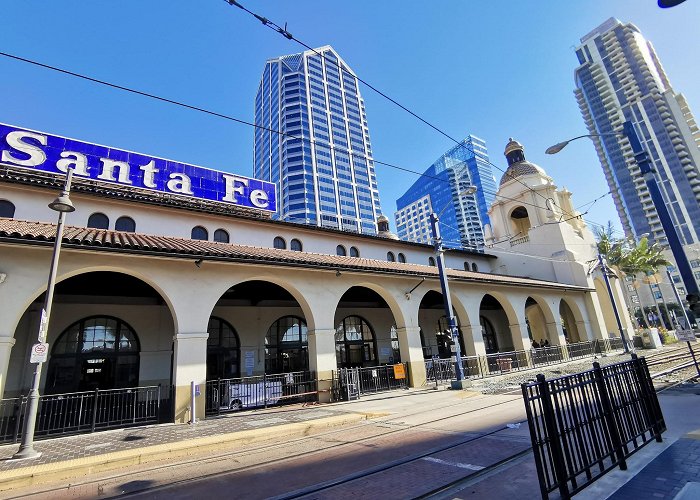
(54, 154)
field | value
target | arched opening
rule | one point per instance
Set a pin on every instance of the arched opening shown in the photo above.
(98, 352)
(568, 323)
(390, 257)
(495, 327)
(520, 221)
(7, 209)
(287, 346)
(98, 221)
(354, 252)
(223, 350)
(365, 329)
(200, 233)
(402, 258)
(126, 224)
(221, 236)
(431, 318)
(270, 324)
(279, 243)
(537, 325)
(295, 245)
(107, 330)
(340, 250)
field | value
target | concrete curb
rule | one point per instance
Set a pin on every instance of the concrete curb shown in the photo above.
(33, 475)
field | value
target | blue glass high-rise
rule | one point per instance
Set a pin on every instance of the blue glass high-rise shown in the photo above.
(322, 161)
(442, 187)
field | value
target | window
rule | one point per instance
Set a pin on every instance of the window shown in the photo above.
(279, 243)
(354, 252)
(390, 257)
(126, 224)
(443, 338)
(395, 348)
(489, 335)
(466, 266)
(221, 235)
(223, 350)
(287, 346)
(7, 209)
(354, 343)
(431, 261)
(98, 221)
(199, 233)
(474, 267)
(98, 352)
(295, 245)
(402, 258)
(340, 250)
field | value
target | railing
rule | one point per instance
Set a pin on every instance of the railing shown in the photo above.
(81, 412)
(442, 370)
(519, 241)
(234, 394)
(350, 383)
(583, 425)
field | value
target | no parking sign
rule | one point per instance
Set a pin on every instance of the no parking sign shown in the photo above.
(40, 353)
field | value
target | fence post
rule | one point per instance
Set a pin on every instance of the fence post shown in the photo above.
(158, 406)
(647, 394)
(94, 410)
(609, 415)
(19, 411)
(554, 442)
(265, 388)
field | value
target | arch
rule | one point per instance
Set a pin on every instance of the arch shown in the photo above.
(200, 233)
(223, 350)
(95, 352)
(520, 221)
(466, 266)
(384, 294)
(444, 341)
(98, 220)
(475, 268)
(571, 320)
(431, 261)
(355, 343)
(295, 245)
(497, 309)
(126, 224)
(221, 236)
(538, 319)
(340, 250)
(390, 257)
(354, 252)
(488, 333)
(279, 243)
(7, 209)
(287, 346)
(402, 258)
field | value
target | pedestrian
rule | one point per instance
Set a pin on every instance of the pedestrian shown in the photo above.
(535, 345)
(545, 343)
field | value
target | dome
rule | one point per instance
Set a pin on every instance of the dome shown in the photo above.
(513, 145)
(383, 228)
(521, 169)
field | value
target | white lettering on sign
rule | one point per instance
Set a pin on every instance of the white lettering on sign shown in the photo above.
(36, 154)
(685, 335)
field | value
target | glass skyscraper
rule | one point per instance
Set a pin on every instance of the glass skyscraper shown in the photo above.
(441, 187)
(322, 161)
(620, 78)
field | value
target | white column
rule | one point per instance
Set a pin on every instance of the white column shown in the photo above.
(6, 344)
(412, 354)
(322, 359)
(189, 364)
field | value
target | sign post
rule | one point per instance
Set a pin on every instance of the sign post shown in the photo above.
(40, 353)
(686, 334)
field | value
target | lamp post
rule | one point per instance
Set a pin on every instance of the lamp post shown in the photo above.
(62, 205)
(447, 301)
(604, 269)
(642, 159)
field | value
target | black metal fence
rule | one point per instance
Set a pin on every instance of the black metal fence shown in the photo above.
(583, 425)
(82, 412)
(442, 370)
(351, 383)
(234, 394)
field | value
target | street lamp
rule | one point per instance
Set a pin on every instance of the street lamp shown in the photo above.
(447, 301)
(62, 205)
(642, 159)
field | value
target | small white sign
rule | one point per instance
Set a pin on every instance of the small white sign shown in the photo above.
(40, 353)
(685, 335)
(249, 362)
(42, 326)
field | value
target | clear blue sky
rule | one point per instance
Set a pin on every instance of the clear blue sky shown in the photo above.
(495, 69)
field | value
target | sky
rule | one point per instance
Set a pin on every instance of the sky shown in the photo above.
(495, 69)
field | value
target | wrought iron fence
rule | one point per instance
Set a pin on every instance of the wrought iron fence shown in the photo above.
(584, 425)
(82, 412)
(350, 383)
(581, 349)
(234, 394)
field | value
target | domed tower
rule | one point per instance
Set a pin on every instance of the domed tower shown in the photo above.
(383, 230)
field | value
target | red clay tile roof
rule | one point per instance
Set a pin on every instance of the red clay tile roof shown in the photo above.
(27, 232)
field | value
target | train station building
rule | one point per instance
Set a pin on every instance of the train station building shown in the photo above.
(160, 284)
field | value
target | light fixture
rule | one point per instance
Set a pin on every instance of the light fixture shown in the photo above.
(198, 262)
(62, 204)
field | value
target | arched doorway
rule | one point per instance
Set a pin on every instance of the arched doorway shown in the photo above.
(568, 323)
(223, 350)
(431, 317)
(355, 344)
(495, 327)
(489, 335)
(97, 352)
(520, 222)
(287, 346)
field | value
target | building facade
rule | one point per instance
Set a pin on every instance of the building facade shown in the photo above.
(321, 158)
(443, 186)
(620, 78)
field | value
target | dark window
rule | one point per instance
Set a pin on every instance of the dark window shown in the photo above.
(223, 350)
(126, 224)
(474, 268)
(402, 258)
(98, 221)
(98, 352)
(221, 236)
(287, 346)
(443, 338)
(390, 257)
(279, 243)
(489, 335)
(295, 245)
(431, 261)
(340, 250)
(354, 343)
(199, 233)
(354, 252)
(7, 209)
(466, 266)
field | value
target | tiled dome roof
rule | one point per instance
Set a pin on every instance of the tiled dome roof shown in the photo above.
(521, 169)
